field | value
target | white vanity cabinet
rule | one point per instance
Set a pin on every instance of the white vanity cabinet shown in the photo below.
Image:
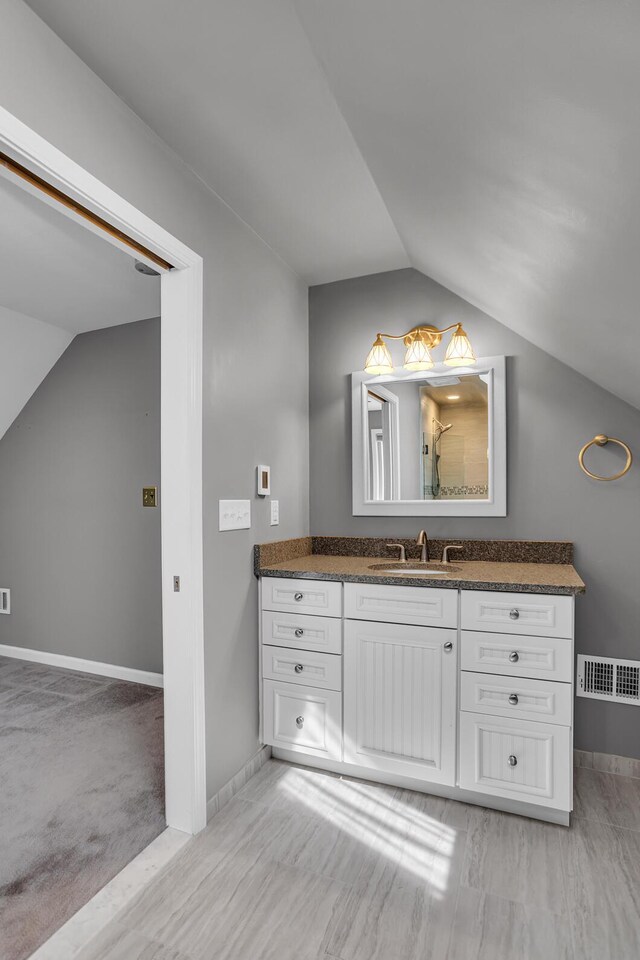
(301, 657)
(468, 694)
(516, 697)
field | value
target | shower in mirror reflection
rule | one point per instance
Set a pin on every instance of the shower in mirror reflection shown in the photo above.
(438, 430)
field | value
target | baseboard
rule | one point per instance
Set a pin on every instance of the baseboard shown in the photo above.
(607, 763)
(222, 797)
(83, 666)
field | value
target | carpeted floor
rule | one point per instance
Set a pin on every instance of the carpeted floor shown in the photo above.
(81, 792)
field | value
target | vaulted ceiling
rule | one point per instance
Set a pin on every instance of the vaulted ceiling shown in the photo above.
(495, 146)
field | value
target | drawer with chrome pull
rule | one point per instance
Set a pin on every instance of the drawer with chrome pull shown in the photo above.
(302, 666)
(547, 658)
(545, 700)
(320, 597)
(303, 719)
(516, 758)
(531, 614)
(302, 632)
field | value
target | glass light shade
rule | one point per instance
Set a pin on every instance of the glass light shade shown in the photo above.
(459, 352)
(379, 359)
(417, 356)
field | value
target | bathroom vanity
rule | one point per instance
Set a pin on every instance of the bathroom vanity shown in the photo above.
(458, 683)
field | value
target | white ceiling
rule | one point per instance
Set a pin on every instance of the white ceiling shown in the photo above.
(58, 272)
(495, 146)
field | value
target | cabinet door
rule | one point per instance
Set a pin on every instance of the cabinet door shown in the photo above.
(400, 699)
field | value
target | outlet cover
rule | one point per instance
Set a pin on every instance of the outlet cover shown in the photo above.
(234, 515)
(149, 496)
(275, 513)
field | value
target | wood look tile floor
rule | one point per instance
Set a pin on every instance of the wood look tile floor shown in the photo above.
(307, 865)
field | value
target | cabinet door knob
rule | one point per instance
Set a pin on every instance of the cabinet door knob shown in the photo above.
(298, 668)
(514, 614)
(513, 761)
(448, 647)
(514, 656)
(513, 698)
(298, 631)
(299, 721)
(298, 596)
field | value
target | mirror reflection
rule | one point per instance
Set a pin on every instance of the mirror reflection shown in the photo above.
(428, 439)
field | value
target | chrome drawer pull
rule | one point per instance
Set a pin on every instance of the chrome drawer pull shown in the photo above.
(513, 761)
(514, 614)
(298, 631)
(298, 596)
(298, 668)
(513, 697)
(448, 647)
(299, 721)
(514, 656)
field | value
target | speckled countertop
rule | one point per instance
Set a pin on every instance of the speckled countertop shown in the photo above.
(516, 577)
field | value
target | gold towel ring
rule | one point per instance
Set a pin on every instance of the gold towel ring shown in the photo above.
(601, 440)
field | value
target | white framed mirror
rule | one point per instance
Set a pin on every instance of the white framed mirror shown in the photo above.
(431, 444)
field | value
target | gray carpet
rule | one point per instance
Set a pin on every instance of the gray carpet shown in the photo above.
(81, 792)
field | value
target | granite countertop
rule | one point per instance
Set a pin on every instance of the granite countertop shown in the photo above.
(516, 577)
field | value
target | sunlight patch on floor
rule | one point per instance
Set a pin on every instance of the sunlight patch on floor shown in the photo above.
(409, 840)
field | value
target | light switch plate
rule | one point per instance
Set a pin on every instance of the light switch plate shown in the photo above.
(275, 513)
(234, 515)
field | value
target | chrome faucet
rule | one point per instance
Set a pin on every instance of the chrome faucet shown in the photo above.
(423, 542)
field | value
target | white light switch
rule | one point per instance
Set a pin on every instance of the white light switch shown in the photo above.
(235, 515)
(275, 513)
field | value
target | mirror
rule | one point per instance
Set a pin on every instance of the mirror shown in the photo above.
(430, 443)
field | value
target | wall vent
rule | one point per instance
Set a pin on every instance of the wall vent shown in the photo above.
(604, 679)
(5, 600)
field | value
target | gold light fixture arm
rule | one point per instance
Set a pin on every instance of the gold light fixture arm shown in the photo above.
(431, 333)
(601, 441)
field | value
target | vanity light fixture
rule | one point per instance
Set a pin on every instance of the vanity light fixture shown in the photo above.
(419, 343)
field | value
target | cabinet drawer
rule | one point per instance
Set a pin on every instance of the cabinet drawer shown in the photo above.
(516, 656)
(302, 632)
(303, 719)
(523, 613)
(323, 597)
(543, 700)
(516, 758)
(322, 670)
(423, 606)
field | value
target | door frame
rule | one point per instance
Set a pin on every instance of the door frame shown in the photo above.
(181, 455)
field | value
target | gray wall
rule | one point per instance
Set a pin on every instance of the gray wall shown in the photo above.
(77, 548)
(552, 411)
(255, 363)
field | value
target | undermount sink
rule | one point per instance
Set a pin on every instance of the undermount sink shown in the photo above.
(433, 569)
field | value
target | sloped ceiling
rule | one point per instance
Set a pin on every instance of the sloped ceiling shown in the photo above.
(495, 146)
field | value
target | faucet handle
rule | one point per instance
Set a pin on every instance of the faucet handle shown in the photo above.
(401, 548)
(450, 546)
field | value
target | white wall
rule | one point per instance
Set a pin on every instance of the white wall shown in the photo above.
(28, 350)
(256, 356)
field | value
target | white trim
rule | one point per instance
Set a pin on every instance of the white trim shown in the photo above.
(495, 506)
(83, 666)
(181, 439)
(233, 786)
